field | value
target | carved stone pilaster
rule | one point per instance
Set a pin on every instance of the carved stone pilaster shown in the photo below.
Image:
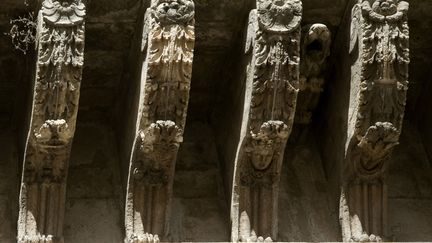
(272, 84)
(60, 57)
(379, 84)
(315, 48)
(168, 45)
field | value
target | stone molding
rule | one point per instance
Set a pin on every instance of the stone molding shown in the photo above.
(60, 58)
(272, 85)
(380, 39)
(168, 45)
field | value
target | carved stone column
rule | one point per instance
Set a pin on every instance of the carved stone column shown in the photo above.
(315, 48)
(379, 39)
(169, 40)
(60, 57)
(272, 83)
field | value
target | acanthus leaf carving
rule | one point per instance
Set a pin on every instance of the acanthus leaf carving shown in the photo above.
(279, 16)
(64, 12)
(59, 64)
(273, 39)
(380, 33)
(173, 11)
(170, 56)
(168, 43)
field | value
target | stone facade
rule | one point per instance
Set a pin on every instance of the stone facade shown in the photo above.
(215, 120)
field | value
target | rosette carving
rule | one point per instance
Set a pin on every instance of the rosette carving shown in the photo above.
(168, 42)
(279, 16)
(173, 11)
(273, 46)
(380, 34)
(59, 64)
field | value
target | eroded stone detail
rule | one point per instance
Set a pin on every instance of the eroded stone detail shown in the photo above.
(261, 150)
(315, 48)
(273, 44)
(380, 35)
(168, 43)
(60, 58)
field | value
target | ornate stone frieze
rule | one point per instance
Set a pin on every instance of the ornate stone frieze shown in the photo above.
(168, 47)
(380, 36)
(60, 57)
(315, 48)
(273, 46)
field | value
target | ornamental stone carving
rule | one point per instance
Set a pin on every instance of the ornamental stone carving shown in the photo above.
(315, 48)
(272, 84)
(261, 150)
(168, 44)
(380, 35)
(60, 57)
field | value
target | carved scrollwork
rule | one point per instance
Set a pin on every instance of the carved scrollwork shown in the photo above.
(273, 46)
(380, 35)
(170, 58)
(385, 63)
(59, 64)
(168, 46)
(173, 11)
(385, 10)
(279, 16)
(59, 68)
(382, 28)
(277, 58)
(64, 12)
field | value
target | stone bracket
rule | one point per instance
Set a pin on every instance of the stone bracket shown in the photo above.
(60, 58)
(380, 34)
(168, 45)
(272, 85)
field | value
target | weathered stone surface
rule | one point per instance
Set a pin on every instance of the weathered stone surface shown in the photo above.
(59, 64)
(199, 210)
(379, 84)
(272, 47)
(167, 44)
(96, 189)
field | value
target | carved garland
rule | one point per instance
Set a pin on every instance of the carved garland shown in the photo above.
(60, 60)
(169, 38)
(380, 31)
(274, 42)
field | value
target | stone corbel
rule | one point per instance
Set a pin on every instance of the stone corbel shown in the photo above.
(168, 45)
(379, 84)
(60, 57)
(272, 85)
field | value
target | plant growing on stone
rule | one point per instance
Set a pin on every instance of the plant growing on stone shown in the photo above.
(23, 32)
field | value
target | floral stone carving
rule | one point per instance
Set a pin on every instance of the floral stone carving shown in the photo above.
(272, 85)
(380, 34)
(60, 58)
(168, 42)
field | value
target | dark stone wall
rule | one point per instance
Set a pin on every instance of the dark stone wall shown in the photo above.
(331, 120)
(420, 101)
